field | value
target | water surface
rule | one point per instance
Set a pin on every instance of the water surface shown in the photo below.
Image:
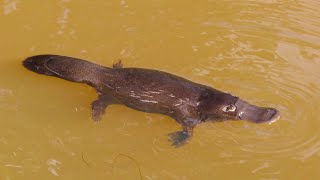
(266, 52)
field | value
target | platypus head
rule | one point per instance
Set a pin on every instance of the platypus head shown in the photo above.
(222, 106)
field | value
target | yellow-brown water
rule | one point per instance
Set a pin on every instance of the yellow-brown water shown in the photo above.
(266, 52)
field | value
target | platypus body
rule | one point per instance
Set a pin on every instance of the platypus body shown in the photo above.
(152, 91)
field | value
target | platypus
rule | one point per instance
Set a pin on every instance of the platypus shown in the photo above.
(152, 91)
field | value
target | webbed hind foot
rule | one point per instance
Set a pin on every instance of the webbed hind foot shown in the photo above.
(180, 138)
(117, 64)
(99, 106)
(98, 109)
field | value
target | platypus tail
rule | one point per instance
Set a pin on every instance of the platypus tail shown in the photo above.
(68, 68)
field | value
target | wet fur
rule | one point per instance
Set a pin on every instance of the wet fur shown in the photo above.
(145, 90)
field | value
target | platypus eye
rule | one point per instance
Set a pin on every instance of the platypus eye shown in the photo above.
(229, 108)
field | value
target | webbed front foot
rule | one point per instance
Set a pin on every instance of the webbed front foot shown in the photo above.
(179, 138)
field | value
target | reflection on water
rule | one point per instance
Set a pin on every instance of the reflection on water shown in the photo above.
(266, 52)
(289, 70)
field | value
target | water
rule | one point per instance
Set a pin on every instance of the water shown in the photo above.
(266, 52)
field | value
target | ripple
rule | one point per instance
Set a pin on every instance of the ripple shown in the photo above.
(284, 83)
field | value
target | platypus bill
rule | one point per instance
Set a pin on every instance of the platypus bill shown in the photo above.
(152, 91)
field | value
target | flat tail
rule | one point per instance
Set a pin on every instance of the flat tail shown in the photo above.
(68, 68)
(37, 64)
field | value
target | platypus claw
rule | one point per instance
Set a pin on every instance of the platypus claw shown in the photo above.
(179, 138)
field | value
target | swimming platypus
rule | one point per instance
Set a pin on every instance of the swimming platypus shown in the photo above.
(152, 91)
